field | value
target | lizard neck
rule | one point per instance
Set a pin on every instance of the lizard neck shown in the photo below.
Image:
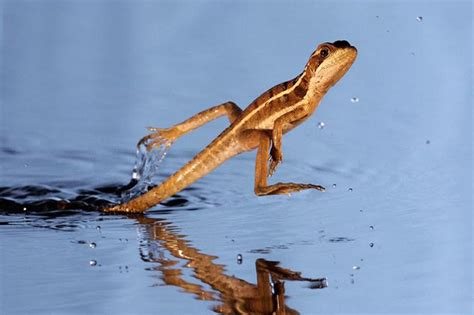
(314, 94)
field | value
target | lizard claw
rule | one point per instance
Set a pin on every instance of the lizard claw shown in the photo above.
(273, 166)
(159, 137)
(317, 187)
(275, 159)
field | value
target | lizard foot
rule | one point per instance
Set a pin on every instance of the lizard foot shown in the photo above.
(275, 159)
(159, 137)
(285, 188)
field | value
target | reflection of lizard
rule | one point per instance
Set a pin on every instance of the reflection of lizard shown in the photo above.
(260, 125)
(236, 296)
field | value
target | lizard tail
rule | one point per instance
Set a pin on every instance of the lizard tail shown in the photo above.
(203, 163)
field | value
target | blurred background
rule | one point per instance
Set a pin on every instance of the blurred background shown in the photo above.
(80, 81)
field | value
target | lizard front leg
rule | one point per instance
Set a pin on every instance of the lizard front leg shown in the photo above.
(276, 155)
(261, 172)
(166, 136)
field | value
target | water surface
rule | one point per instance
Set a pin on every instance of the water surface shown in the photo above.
(392, 233)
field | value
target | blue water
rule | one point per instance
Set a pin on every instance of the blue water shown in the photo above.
(81, 80)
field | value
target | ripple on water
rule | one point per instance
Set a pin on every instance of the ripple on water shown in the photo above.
(340, 239)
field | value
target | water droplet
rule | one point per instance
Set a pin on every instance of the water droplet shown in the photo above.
(92, 245)
(24, 208)
(334, 185)
(325, 283)
(98, 227)
(419, 18)
(239, 259)
(355, 100)
(371, 227)
(93, 263)
(428, 141)
(350, 189)
(371, 244)
(321, 125)
(355, 267)
(135, 175)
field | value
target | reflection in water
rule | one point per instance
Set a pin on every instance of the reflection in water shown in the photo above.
(234, 295)
(160, 239)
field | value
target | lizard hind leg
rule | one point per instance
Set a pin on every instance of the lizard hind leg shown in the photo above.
(261, 173)
(166, 136)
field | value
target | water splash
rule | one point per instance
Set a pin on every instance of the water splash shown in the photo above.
(56, 201)
(146, 165)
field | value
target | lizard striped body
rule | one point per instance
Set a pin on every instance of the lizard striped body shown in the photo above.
(261, 125)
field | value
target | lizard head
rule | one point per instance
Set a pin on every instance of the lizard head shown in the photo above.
(329, 62)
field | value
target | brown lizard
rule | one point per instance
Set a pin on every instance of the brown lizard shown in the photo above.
(261, 125)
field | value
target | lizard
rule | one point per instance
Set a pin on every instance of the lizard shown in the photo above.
(259, 126)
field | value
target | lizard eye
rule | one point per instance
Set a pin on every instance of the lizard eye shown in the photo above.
(324, 52)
